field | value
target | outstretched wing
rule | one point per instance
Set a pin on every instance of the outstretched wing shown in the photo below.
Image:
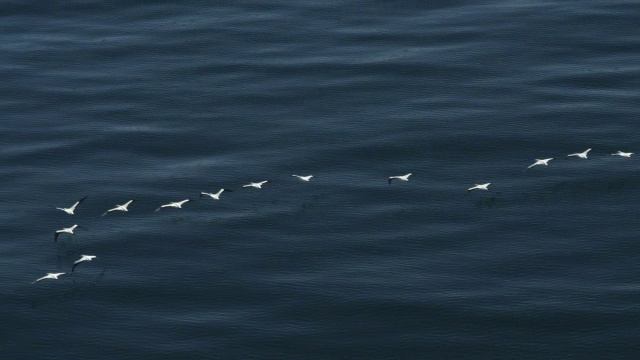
(77, 203)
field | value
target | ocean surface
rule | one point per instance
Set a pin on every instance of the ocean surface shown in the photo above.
(159, 101)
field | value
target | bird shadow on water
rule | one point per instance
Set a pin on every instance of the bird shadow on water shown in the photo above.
(588, 188)
(312, 202)
(562, 191)
(178, 219)
(487, 203)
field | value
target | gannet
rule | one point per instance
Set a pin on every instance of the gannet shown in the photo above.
(623, 154)
(540, 162)
(122, 207)
(49, 276)
(215, 196)
(71, 209)
(177, 204)
(582, 155)
(304, 178)
(401, 177)
(479, 187)
(68, 230)
(257, 185)
(81, 260)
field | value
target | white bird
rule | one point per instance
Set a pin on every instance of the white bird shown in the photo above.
(71, 209)
(582, 155)
(540, 162)
(68, 230)
(257, 185)
(623, 154)
(49, 276)
(401, 177)
(479, 187)
(81, 260)
(122, 207)
(304, 178)
(177, 204)
(215, 196)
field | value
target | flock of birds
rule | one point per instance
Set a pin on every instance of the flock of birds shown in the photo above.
(125, 208)
(258, 185)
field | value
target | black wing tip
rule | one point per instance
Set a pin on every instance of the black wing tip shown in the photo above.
(229, 190)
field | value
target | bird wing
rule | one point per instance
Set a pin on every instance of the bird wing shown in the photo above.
(77, 203)
(110, 210)
(75, 264)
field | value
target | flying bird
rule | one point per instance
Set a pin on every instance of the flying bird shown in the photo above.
(401, 177)
(479, 187)
(71, 209)
(215, 196)
(539, 162)
(177, 204)
(122, 207)
(582, 155)
(623, 154)
(81, 260)
(68, 230)
(304, 178)
(257, 185)
(49, 276)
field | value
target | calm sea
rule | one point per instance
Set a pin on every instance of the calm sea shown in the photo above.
(159, 101)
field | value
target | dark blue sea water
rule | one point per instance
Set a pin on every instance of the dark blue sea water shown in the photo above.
(158, 101)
